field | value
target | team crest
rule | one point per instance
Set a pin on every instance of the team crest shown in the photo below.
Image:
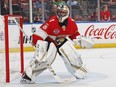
(56, 31)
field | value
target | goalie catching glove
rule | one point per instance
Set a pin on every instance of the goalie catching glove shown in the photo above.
(84, 42)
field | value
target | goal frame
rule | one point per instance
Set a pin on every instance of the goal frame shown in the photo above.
(6, 35)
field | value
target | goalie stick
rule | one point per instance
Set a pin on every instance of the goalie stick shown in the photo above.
(58, 78)
(21, 28)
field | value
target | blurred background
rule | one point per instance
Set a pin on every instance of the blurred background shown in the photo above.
(38, 11)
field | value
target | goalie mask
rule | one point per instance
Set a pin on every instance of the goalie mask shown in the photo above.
(62, 13)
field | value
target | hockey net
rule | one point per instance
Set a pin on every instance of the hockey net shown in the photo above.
(11, 48)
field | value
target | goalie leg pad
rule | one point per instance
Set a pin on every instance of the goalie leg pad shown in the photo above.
(40, 61)
(40, 50)
(32, 70)
(71, 58)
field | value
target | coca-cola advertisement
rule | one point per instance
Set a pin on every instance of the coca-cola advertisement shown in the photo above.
(100, 32)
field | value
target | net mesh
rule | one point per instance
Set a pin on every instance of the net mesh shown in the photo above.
(2, 49)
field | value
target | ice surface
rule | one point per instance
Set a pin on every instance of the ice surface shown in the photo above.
(101, 64)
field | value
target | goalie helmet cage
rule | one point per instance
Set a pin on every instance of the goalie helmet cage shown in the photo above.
(7, 52)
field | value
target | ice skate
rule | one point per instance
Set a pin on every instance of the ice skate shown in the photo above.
(26, 80)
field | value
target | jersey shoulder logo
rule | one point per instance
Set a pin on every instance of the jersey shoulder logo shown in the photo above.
(45, 26)
(51, 20)
(72, 20)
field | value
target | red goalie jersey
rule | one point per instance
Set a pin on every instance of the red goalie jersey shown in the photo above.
(57, 31)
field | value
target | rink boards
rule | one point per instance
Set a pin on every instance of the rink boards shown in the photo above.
(103, 34)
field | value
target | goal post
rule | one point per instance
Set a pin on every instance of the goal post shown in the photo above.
(5, 27)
